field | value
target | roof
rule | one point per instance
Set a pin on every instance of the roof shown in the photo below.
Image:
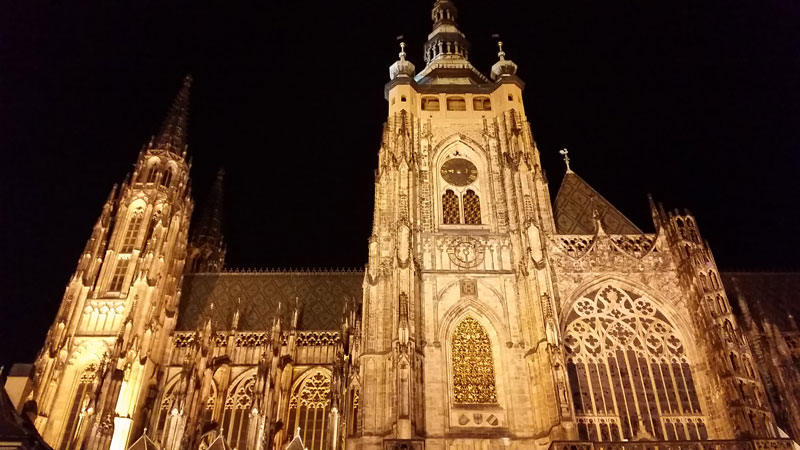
(771, 296)
(573, 209)
(321, 295)
(144, 443)
(17, 428)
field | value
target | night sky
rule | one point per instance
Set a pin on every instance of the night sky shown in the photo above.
(695, 102)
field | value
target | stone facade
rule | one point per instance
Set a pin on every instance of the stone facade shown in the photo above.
(487, 317)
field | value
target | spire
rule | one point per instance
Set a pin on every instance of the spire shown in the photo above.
(207, 252)
(565, 153)
(209, 227)
(172, 136)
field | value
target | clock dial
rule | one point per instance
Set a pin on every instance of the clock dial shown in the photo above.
(459, 172)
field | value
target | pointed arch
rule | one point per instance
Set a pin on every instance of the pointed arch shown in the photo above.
(628, 364)
(472, 208)
(472, 364)
(309, 406)
(237, 409)
(80, 403)
(450, 213)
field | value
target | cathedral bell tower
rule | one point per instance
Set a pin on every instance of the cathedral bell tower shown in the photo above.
(103, 354)
(457, 304)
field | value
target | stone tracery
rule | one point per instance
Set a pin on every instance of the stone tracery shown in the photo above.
(628, 370)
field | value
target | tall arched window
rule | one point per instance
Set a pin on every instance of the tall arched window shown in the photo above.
(472, 208)
(132, 232)
(167, 178)
(236, 419)
(80, 403)
(473, 365)
(152, 172)
(450, 214)
(628, 370)
(309, 406)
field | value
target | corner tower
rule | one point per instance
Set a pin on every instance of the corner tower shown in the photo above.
(103, 354)
(457, 290)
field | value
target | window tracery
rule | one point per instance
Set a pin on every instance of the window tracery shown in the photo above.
(309, 406)
(628, 370)
(236, 418)
(80, 404)
(473, 364)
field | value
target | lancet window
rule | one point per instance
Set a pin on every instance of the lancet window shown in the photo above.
(628, 370)
(132, 232)
(473, 364)
(167, 178)
(450, 213)
(238, 409)
(118, 278)
(309, 407)
(472, 208)
(78, 409)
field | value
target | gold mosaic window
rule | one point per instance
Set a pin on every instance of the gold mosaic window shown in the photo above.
(450, 208)
(628, 369)
(309, 407)
(473, 365)
(472, 208)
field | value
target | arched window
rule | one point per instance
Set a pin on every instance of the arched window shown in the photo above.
(627, 365)
(309, 406)
(238, 407)
(456, 104)
(152, 172)
(430, 104)
(473, 365)
(481, 104)
(120, 271)
(80, 404)
(167, 178)
(132, 232)
(472, 208)
(450, 208)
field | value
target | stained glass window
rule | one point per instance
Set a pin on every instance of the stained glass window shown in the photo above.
(627, 364)
(473, 365)
(309, 406)
(236, 419)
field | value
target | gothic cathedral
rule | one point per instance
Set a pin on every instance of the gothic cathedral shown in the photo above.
(487, 316)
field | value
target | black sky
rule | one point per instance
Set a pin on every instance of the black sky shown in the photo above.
(696, 102)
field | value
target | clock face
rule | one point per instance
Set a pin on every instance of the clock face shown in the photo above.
(459, 172)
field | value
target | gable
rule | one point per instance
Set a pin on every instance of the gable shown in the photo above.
(575, 203)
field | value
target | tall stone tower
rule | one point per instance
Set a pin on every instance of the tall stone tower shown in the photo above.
(457, 306)
(104, 352)
(493, 319)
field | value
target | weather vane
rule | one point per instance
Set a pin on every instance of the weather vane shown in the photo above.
(565, 152)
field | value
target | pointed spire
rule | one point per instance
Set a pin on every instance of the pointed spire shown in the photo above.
(209, 227)
(172, 136)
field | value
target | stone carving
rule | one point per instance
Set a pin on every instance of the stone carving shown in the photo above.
(466, 251)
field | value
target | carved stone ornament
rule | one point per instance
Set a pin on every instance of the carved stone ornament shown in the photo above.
(466, 252)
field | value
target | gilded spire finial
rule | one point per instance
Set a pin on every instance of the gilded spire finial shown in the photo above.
(402, 51)
(500, 53)
(565, 153)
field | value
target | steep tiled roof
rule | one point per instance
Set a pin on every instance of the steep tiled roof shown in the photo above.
(321, 295)
(773, 296)
(16, 431)
(144, 443)
(573, 209)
